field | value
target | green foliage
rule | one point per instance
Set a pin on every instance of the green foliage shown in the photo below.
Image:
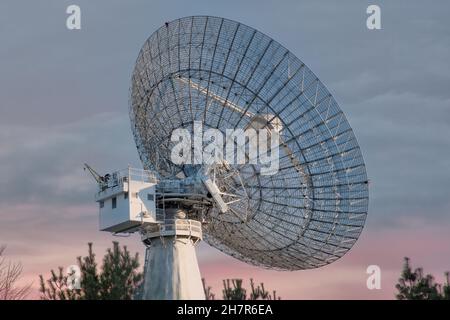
(259, 293)
(90, 282)
(117, 279)
(414, 285)
(208, 291)
(120, 277)
(56, 288)
(446, 288)
(233, 290)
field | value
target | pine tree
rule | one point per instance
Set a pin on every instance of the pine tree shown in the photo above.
(56, 287)
(90, 281)
(117, 278)
(233, 290)
(414, 285)
(260, 293)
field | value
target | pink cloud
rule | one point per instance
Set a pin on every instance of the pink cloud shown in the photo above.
(42, 243)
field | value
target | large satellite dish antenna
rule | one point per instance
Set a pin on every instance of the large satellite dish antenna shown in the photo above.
(225, 75)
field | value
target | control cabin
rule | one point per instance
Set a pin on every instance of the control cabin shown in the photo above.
(126, 200)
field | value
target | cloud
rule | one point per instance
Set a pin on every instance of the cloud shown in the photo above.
(43, 165)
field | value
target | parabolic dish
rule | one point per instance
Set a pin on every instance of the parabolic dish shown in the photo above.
(225, 74)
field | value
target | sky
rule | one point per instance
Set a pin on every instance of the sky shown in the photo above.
(64, 101)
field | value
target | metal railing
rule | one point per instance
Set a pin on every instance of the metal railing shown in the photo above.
(118, 178)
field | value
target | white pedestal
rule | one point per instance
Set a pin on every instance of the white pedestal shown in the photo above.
(172, 271)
